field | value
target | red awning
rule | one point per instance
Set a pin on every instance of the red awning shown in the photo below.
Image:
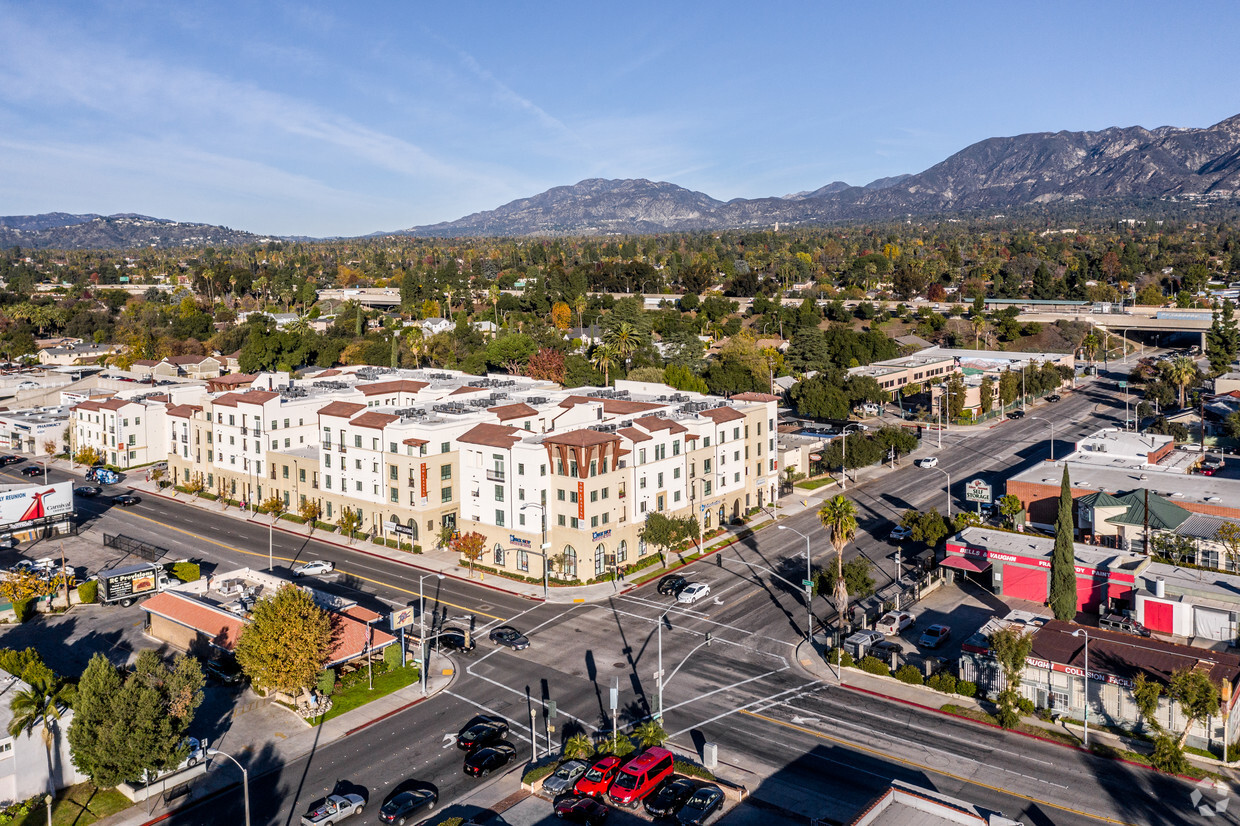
(963, 563)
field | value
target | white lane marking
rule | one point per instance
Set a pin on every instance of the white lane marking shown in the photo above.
(512, 722)
(716, 623)
(769, 700)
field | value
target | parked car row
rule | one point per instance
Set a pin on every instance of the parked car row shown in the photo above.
(647, 778)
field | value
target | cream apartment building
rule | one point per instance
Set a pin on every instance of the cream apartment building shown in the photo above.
(415, 452)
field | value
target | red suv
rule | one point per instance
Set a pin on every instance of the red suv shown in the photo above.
(640, 776)
(596, 781)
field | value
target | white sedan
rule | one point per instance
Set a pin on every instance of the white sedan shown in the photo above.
(693, 592)
(318, 566)
(929, 461)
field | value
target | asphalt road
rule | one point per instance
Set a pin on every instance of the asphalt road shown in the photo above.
(808, 748)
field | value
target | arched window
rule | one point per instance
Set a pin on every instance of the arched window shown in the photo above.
(499, 555)
(413, 526)
(570, 562)
(622, 553)
(600, 559)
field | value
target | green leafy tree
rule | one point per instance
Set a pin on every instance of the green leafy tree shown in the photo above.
(1197, 697)
(955, 396)
(1009, 387)
(858, 577)
(125, 728)
(929, 527)
(1010, 648)
(1063, 558)
(838, 516)
(1222, 339)
(286, 643)
(1010, 506)
(310, 511)
(349, 522)
(986, 394)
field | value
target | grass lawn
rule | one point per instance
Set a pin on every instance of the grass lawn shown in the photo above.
(359, 694)
(78, 805)
(814, 484)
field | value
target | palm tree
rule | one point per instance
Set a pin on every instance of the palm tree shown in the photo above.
(579, 304)
(447, 291)
(650, 734)
(1181, 371)
(604, 358)
(493, 294)
(299, 325)
(623, 340)
(40, 706)
(417, 344)
(839, 518)
(979, 327)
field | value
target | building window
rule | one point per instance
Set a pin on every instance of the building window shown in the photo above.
(523, 560)
(285, 471)
(600, 559)
(499, 493)
(445, 472)
(594, 496)
(570, 562)
(559, 494)
(395, 494)
(445, 495)
(497, 555)
(499, 517)
(357, 441)
(443, 447)
(622, 552)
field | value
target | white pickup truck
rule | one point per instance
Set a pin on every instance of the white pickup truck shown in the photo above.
(333, 810)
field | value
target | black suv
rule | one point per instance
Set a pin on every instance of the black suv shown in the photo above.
(454, 639)
(224, 670)
(672, 584)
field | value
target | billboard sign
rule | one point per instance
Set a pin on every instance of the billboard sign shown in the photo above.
(30, 504)
(978, 491)
(403, 617)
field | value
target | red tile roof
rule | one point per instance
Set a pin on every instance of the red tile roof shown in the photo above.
(512, 411)
(258, 397)
(88, 406)
(188, 359)
(492, 435)
(755, 397)
(184, 411)
(341, 410)
(618, 406)
(723, 414)
(221, 627)
(660, 423)
(415, 442)
(466, 389)
(349, 638)
(361, 614)
(397, 386)
(116, 404)
(373, 420)
(580, 438)
(633, 434)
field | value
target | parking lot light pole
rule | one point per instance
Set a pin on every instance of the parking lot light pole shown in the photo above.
(1050, 422)
(809, 609)
(423, 652)
(546, 546)
(245, 780)
(1081, 632)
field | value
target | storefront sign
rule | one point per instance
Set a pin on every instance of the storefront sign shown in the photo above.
(518, 541)
(581, 500)
(978, 491)
(597, 535)
(1096, 676)
(982, 553)
(403, 617)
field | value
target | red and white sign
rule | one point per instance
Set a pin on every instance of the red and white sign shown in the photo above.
(581, 500)
(424, 480)
(28, 504)
(1096, 676)
(1081, 570)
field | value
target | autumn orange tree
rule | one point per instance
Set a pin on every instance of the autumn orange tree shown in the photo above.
(469, 546)
(561, 315)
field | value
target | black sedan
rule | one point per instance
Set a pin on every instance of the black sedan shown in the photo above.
(454, 639)
(672, 585)
(31, 470)
(87, 491)
(585, 810)
(126, 499)
(670, 796)
(511, 637)
(483, 761)
(407, 804)
(481, 731)
(702, 807)
(1016, 414)
(5, 461)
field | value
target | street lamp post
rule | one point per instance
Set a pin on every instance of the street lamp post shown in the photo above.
(245, 780)
(949, 489)
(1050, 422)
(423, 654)
(809, 609)
(1081, 632)
(546, 546)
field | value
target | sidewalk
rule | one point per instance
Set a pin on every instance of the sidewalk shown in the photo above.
(244, 744)
(811, 658)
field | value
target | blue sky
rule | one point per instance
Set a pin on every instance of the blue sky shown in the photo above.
(344, 119)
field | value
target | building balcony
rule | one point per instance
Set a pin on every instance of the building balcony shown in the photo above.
(495, 475)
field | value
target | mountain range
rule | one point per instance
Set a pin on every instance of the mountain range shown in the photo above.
(1114, 165)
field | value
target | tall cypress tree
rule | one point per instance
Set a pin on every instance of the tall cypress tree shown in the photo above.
(1063, 560)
